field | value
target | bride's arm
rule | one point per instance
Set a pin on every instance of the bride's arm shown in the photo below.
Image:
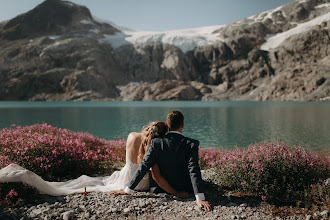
(162, 182)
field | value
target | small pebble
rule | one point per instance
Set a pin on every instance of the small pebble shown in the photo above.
(67, 215)
(325, 213)
(309, 217)
(127, 210)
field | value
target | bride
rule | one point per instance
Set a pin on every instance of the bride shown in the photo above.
(136, 147)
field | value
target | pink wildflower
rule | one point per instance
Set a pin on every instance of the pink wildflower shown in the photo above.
(12, 193)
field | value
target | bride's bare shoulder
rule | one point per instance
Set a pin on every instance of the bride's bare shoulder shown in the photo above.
(133, 137)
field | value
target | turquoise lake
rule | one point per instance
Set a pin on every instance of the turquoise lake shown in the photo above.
(225, 124)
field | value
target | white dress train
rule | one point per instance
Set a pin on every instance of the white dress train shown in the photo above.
(118, 180)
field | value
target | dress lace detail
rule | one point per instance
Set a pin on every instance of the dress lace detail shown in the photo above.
(118, 180)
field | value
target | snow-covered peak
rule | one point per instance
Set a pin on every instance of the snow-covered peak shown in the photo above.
(276, 40)
(186, 39)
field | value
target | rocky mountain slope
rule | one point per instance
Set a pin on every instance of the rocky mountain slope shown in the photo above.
(58, 51)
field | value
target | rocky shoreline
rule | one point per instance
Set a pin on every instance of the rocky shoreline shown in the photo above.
(141, 205)
(144, 205)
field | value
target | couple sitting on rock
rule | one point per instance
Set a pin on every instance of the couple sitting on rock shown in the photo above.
(159, 148)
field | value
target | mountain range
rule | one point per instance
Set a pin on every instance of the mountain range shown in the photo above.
(59, 52)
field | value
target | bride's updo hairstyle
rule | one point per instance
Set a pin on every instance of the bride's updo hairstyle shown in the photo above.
(152, 130)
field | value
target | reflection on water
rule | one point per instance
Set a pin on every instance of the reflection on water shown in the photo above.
(218, 124)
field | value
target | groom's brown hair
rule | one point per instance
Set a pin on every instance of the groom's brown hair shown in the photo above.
(174, 120)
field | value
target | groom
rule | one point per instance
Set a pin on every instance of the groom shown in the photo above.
(177, 158)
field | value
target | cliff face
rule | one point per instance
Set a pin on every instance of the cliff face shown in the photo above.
(57, 52)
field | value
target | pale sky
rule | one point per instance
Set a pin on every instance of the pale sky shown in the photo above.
(158, 15)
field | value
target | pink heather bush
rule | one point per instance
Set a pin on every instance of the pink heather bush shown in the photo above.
(11, 196)
(272, 170)
(55, 153)
(12, 193)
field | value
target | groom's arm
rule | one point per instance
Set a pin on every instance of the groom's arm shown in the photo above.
(196, 177)
(195, 172)
(148, 161)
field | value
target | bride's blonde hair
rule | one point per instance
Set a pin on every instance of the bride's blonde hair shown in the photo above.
(152, 130)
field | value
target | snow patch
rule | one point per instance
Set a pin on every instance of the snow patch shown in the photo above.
(323, 5)
(119, 27)
(269, 36)
(135, 83)
(86, 22)
(54, 37)
(95, 31)
(116, 40)
(276, 40)
(186, 39)
(265, 15)
(68, 3)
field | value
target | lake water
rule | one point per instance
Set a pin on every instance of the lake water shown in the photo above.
(223, 124)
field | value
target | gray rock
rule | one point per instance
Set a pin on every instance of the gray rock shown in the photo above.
(325, 213)
(127, 210)
(197, 208)
(67, 215)
(45, 211)
(87, 215)
(35, 212)
(309, 217)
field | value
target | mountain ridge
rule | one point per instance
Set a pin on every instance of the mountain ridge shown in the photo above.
(75, 60)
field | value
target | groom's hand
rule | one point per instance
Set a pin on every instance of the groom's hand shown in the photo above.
(117, 192)
(204, 205)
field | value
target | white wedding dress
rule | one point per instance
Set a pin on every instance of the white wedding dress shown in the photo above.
(118, 180)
